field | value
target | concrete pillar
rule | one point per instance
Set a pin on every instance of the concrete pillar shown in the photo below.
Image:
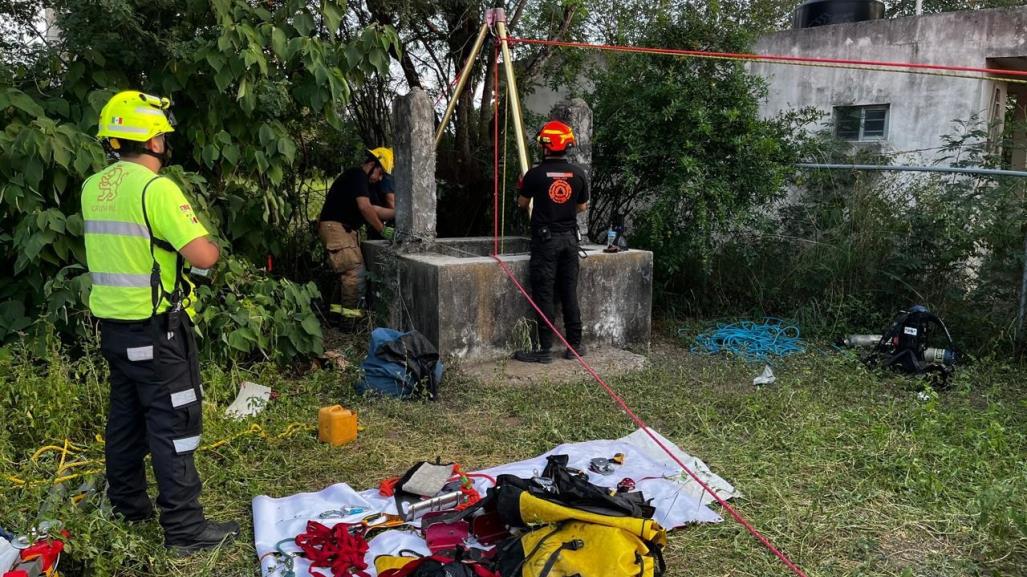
(578, 116)
(413, 125)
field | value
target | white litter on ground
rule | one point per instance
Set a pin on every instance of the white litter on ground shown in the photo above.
(766, 377)
(251, 400)
(677, 498)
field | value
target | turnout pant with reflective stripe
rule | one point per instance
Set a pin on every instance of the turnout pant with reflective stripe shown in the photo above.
(554, 275)
(154, 408)
(347, 261)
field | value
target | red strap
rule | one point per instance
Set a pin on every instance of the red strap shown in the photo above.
(466, 487)
(482, 571)
(336, 549)
(387, 488)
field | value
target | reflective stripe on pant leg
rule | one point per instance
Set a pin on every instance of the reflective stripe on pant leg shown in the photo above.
(183, 398)
(186, 444)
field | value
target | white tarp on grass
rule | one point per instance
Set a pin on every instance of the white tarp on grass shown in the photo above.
(677, 498)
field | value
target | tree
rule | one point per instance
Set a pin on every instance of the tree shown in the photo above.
(908, 7)
(679, 145)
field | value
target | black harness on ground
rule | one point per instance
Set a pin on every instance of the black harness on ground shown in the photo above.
(904, 346)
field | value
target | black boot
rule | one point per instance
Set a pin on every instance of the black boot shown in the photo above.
(213, 535)
(582, 350)
(536, 356)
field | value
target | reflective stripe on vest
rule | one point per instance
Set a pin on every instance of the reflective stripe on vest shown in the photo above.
(119, 279)
(116, 227)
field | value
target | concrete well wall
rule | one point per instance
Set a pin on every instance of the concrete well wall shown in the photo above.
(469, 309)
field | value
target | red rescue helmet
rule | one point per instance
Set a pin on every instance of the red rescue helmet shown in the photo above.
(555, 136)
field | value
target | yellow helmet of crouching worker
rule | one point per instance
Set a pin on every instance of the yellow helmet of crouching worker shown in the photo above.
(384, 156)
(133, 115)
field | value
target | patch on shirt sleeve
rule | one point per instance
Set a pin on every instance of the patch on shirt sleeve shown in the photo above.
(187, 213)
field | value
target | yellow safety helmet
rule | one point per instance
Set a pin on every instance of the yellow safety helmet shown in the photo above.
(132, 115)
(384, 156)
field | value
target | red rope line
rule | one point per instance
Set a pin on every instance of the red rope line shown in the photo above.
(642, 425)
(768, 57)
(449, 90)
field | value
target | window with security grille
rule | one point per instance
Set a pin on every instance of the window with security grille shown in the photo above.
(861, 123)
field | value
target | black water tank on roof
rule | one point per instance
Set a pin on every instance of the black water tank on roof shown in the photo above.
(823, 12)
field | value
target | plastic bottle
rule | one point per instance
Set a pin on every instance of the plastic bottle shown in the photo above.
(611, 236)
(336, 425)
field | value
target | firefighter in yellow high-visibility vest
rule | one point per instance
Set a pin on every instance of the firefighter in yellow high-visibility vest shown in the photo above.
(140, 231)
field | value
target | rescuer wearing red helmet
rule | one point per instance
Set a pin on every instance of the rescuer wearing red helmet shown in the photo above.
(559, 190)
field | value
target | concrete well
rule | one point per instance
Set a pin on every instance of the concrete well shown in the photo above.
(458, 296)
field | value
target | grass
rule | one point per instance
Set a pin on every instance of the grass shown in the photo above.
(848, 472)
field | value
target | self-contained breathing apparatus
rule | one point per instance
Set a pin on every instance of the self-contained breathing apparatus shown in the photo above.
(904, 346)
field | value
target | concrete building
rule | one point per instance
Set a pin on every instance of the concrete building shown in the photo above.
(905, 112)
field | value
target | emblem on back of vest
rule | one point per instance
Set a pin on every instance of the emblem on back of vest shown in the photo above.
(560, 191)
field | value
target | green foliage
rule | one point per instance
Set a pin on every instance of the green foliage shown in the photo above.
(680, 147)
(850, 249)
(257, 89)
(908, 7)
(256, 317)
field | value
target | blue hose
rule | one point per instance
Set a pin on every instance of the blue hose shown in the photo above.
(750, 340)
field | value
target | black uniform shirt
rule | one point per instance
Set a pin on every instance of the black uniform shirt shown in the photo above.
(341, 203)
(556, 187)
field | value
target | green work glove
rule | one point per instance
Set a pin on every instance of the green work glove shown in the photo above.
(388, 233)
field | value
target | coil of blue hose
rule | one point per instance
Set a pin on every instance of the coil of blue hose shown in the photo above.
(750, 340)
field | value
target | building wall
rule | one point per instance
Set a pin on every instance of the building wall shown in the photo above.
(922, 107)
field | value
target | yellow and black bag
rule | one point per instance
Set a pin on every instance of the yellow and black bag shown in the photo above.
(575, 528)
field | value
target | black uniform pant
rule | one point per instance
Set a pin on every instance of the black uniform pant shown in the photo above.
(554, 274)
(155, 407)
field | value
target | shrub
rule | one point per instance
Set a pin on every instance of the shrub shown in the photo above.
(256, 317)
(852, 248)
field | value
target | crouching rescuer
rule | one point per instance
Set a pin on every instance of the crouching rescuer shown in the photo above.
(140, 232)
(355, 198)
(559, 190)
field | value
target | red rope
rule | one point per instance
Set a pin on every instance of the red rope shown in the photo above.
(642, 425)
(336, 549)
(449, 90)
(769, 57)
(467, 487)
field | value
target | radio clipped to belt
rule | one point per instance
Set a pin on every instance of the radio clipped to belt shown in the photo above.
(581, 251)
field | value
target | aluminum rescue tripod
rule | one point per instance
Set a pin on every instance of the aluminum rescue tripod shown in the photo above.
(493, 17)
